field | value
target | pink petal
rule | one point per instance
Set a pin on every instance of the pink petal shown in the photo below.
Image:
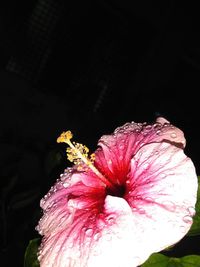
(116, 150)
(94, 239)
(64, 198)
(162, 193)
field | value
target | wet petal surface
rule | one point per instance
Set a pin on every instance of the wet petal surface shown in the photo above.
(146, 205)
(116, 150)
(162, 191)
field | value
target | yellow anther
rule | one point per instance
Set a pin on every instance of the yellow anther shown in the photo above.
(78, 154)
(65, 137)
(92, 157)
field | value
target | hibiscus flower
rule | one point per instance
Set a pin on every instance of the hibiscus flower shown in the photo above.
(134, 196)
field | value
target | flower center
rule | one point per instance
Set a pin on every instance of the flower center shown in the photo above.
(78, 154)
(119, 191)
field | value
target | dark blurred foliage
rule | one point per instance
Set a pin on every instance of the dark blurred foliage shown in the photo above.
(88, 66)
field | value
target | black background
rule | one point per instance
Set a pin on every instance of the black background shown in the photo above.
(110, 62)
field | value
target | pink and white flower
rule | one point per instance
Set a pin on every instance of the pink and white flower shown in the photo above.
(137, 197)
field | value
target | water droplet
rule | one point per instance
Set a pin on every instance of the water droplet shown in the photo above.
(148, 127)
(158, 132)
(141, 211)
(66, 184)
(110, 162)
(42, 202)
(70, 245)
(59, 185)
(173, 135)
(39, 257)
(121, 157)
(89, 232)
(162, 175)
(100, 223)
(134, 209)
(148, 199)
(187, 219)
(47, 262)
(72, 204)
(121, 146)
(144, 132)
(169, 205)
(145, 165)
(191, 211)
(97, 236)
(62, 177)
(111, 218)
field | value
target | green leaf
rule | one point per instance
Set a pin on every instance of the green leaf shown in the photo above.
(156, 260)
(160, 260)
(195, 229)
(30, 258)
(190, 261)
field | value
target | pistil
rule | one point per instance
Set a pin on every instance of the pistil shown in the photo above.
(78, 154)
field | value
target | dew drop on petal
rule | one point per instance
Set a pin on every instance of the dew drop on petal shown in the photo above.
(97, 236)
(42, 202)
(120, 157)
(121, 146)
(110, 162)
(70, 244)
(173, 135)
(110, 219)
(59, 185)
(148, 199)
(66, 184)
(62, 177)
(162, 175)
(47, 262)
(100, 224)
(141, 211)
(187, 219)
(148, 127)
(145, 165)
(169, 205)
(191, 211)
(89, 232)
(37, 228)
